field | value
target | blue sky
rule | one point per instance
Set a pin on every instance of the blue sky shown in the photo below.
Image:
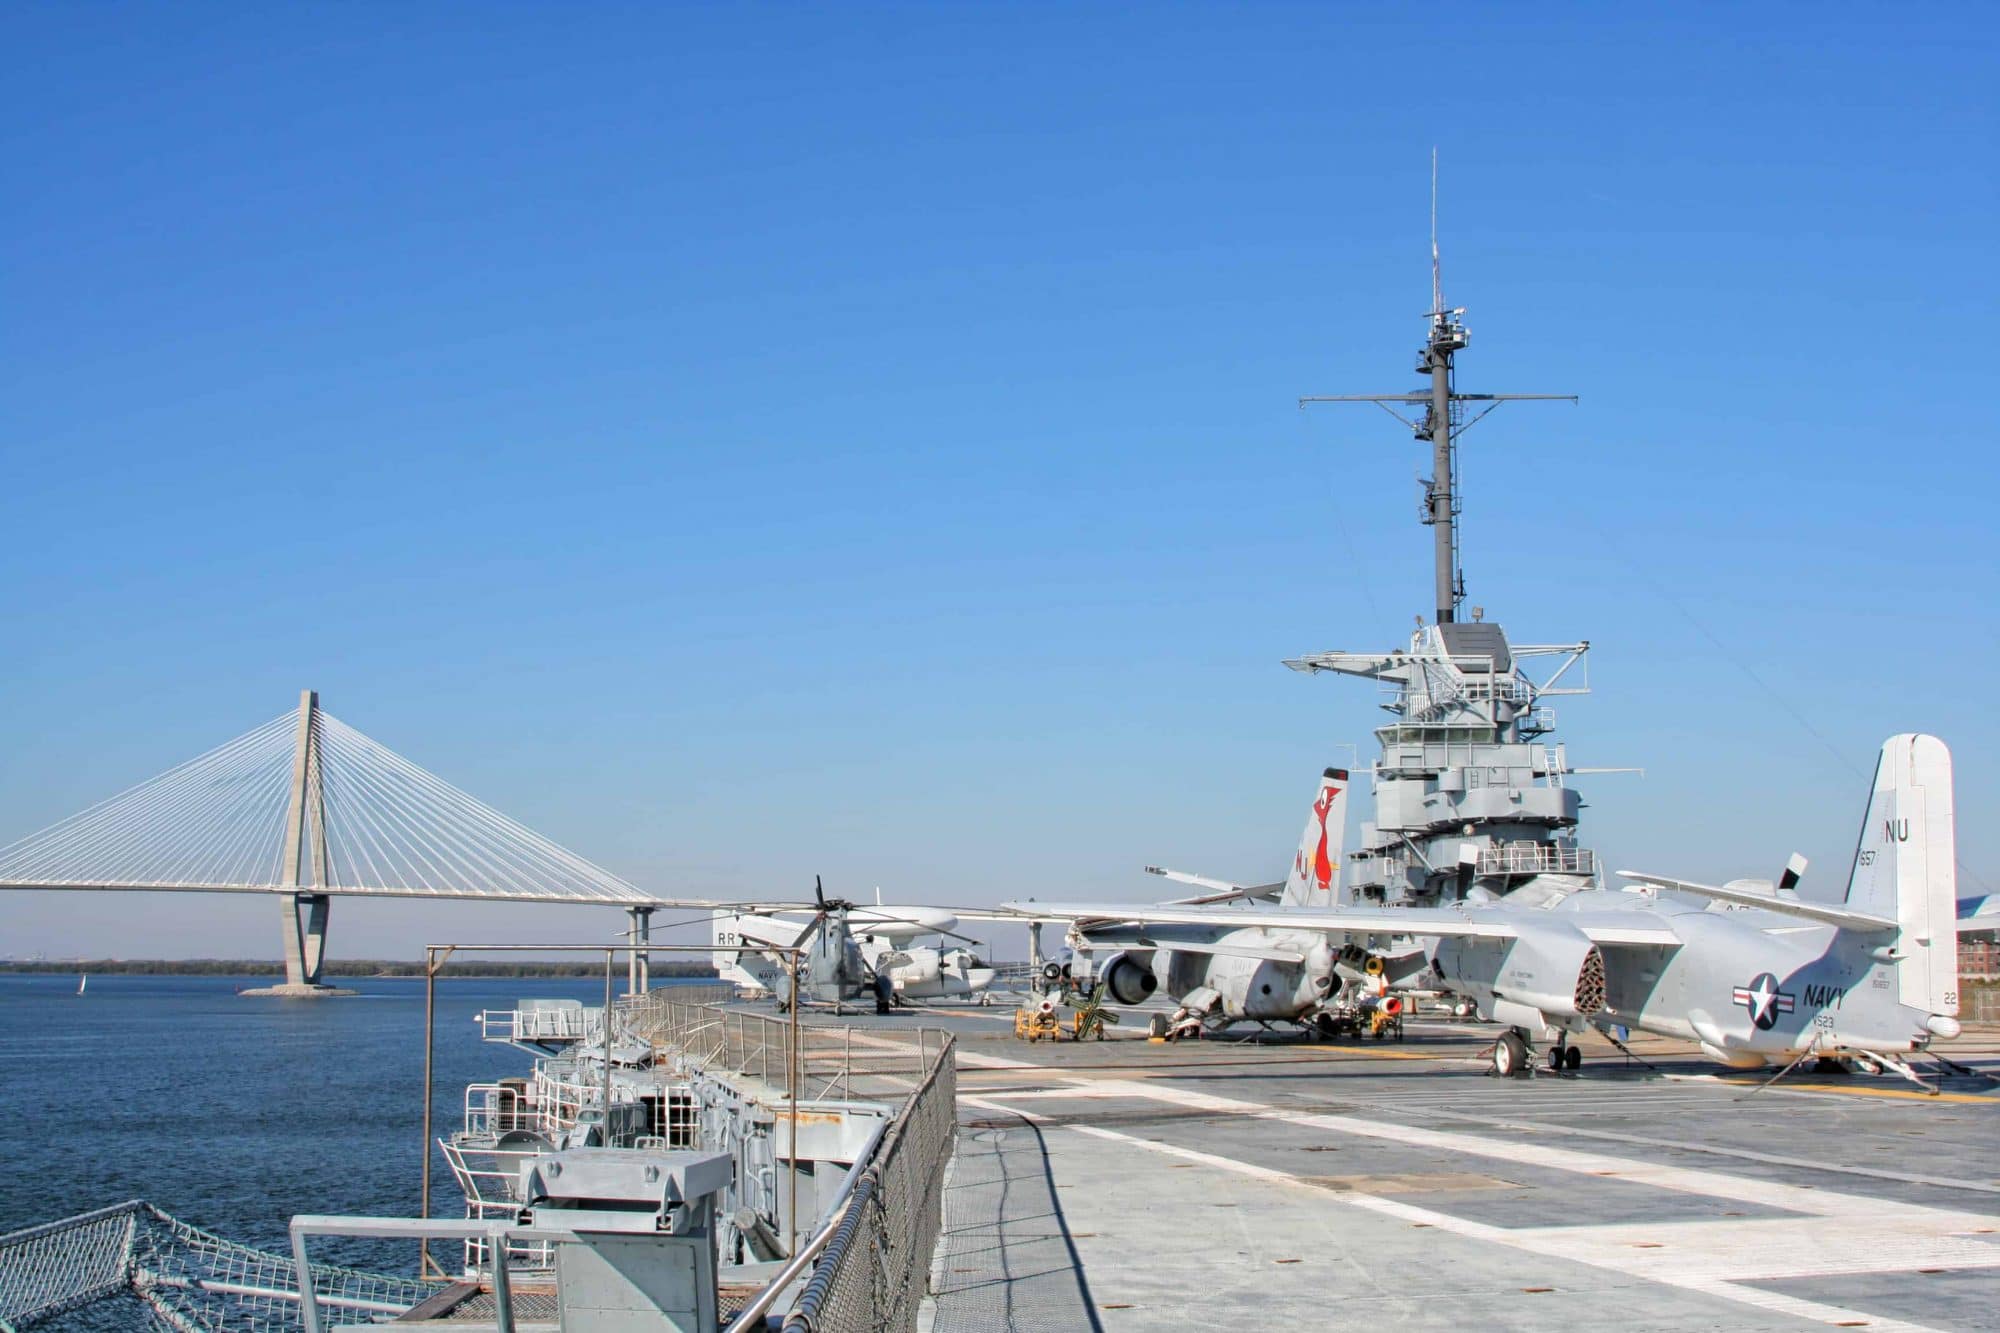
(751, 441)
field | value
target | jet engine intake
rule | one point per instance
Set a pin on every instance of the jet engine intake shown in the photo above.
(1551, 968)
(1125, 980)
(1320, 962)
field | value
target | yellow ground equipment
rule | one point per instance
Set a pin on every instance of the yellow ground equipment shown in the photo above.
(1044, 1020)
(1091, 1017)
(1037, 1021)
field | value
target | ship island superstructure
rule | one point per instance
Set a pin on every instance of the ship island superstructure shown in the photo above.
(1471, 790)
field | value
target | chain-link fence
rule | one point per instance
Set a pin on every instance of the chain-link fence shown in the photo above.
(185, 1279)
(698, 1025)
(874, 1272)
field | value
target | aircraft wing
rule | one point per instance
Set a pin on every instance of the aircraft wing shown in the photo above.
(1979, 913)
(1486, 922)
(1129, 938)
(1220, 890)
(1348, 921)
(1199, 881)
(1023, 913)
(1825, 913)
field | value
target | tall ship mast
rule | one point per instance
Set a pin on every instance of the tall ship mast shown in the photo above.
(1471, 791)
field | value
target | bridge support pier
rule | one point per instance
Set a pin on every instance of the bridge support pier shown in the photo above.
(304, 868)
(639, 963)
(305, 937)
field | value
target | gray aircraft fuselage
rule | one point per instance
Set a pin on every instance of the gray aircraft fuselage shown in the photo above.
(1747, 984)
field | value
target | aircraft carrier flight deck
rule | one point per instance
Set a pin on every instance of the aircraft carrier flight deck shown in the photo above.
(1133, 1184)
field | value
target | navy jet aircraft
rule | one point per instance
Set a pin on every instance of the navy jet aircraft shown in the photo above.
(1232, 967)
(1751, 975)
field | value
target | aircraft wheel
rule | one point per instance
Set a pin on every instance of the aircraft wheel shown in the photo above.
(1572, 1058)
(1556, 1057)
(1510, 1055)
(1157, 1026)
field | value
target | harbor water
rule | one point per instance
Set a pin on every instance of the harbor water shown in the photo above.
(234, 1113)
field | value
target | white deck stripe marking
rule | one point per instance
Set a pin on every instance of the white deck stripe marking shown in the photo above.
(978, 1061)
(989, 1104)
(1689, 1180)
(1773, 1159)
(1549, 1242)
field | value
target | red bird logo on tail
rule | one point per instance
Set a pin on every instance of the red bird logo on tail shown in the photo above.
(1322, 865)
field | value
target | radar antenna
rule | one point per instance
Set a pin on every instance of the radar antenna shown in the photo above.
(1442, 423)
(1437, 278)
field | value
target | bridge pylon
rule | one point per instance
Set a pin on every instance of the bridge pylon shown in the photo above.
(305, 913)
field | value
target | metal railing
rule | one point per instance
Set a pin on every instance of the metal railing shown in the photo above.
(696, 1026)
(1536, 858)
(532, 1024)
(875, 1253)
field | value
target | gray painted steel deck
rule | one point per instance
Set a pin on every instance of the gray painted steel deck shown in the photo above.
(1133, 1185)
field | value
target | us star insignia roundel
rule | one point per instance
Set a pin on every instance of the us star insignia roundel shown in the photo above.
(1764, 1000)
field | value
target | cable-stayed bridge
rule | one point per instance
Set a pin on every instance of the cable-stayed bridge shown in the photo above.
(305, 807)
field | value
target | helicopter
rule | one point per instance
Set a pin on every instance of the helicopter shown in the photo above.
(851, 952)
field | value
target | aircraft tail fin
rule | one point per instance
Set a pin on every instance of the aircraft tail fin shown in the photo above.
(726, 934)
(1314, 880)
(1906, 868)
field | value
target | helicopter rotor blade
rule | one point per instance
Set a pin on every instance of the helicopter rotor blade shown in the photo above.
(811, 927)
(873, 920)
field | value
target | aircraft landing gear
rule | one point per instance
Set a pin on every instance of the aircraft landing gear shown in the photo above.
(1895, 1064)
(1564, 1057)
(1334, 1026)
(1510, 1055)
(1177, 1026)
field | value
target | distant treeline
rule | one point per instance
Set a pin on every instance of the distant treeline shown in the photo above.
(357, 967)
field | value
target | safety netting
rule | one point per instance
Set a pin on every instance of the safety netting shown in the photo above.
(132, 1266)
